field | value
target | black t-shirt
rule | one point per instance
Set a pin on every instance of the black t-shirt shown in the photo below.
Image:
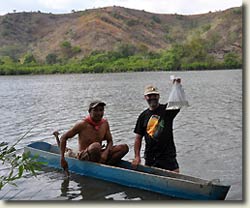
(158, 145)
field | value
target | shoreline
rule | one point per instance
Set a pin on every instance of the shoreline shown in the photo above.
(20, 73)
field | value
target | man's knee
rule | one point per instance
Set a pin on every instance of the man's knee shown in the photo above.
(95, 147)
(125, 148)
(95, 151)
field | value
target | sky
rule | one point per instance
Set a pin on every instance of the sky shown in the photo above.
(184, 7)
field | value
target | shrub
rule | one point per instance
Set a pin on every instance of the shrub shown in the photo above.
(18, 163)
(29, 58)
(51, 58)
(232, 60)
(156, 19)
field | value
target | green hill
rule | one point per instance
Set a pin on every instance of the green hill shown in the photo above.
(77, 35)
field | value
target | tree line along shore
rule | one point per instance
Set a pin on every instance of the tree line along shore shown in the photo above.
(126, 58)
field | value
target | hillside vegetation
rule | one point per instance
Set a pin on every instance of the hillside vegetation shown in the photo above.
(114, 39)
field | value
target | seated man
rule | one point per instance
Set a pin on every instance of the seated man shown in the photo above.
(92, 131)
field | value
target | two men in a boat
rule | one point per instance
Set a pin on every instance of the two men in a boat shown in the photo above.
(155, 124)
(92, 131)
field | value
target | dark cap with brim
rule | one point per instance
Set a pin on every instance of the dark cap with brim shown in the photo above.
(95, 104)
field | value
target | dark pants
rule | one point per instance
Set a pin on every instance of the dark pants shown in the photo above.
(168, 164)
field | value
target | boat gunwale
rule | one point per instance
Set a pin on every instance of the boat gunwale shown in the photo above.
(174, 186)
(205, 183)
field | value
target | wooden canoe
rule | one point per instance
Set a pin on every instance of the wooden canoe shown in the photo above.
(144, 177)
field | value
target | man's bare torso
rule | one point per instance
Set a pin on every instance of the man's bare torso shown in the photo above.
(88, 134)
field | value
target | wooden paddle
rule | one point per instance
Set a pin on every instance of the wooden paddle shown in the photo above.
(56, 134)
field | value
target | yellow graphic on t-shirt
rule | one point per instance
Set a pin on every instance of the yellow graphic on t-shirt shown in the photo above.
(152, 124)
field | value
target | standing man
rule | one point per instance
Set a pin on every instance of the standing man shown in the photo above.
(92, 131)
(156, 125)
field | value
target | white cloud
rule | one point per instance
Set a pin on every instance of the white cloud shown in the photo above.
(182, 6)
(10, 5)
(155, 6)
(55, 4)
(198, 6)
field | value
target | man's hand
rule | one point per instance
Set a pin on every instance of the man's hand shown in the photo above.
(136, 162)
(178, 80)
(56, 133)
(65, 166)
(104, 156)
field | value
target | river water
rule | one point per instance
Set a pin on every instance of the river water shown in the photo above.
(208, 134)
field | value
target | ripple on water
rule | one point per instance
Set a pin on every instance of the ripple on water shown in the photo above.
(208, 134)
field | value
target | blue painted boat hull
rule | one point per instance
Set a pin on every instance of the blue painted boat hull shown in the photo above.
(144, 177)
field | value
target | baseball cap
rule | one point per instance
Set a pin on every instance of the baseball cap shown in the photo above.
(150, 89)
(96, 103)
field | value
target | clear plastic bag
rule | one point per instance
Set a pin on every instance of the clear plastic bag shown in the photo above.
(177, 98)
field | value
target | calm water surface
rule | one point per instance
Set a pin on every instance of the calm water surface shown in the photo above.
(208, 134)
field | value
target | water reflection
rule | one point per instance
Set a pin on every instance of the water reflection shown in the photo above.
(65, 187)
(78, 187)
(70, 190)
(121, 196)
